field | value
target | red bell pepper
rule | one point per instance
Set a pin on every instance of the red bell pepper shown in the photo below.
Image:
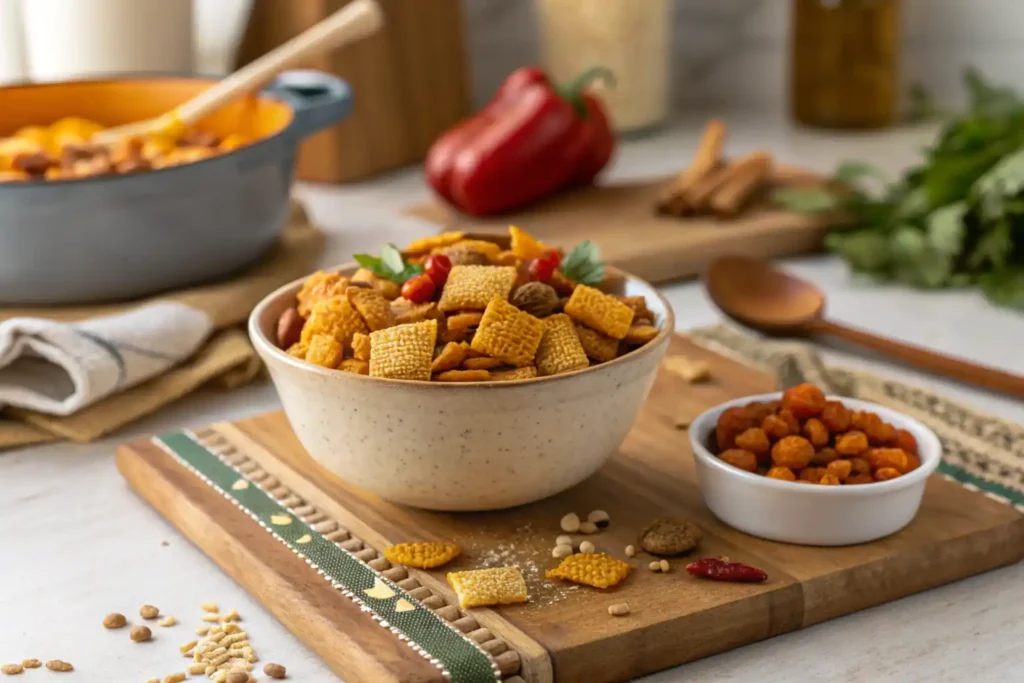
(529, 141)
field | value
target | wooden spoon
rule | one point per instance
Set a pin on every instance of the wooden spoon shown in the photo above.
(352, 22)
(756, 294)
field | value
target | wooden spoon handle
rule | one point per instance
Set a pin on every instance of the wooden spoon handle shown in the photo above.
(352, 22)
(965, 371)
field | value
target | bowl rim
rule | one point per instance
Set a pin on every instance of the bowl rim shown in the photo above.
(117, 177)
(268, 347)
(930, 452)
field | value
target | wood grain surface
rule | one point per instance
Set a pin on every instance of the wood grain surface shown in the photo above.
(564, 633)
(621, 220)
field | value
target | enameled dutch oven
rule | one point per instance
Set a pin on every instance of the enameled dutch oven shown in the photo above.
(123, 237)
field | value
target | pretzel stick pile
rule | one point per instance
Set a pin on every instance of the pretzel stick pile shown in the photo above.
(712, 185)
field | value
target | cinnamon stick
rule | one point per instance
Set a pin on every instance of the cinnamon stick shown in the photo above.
(741, 181)
(705, 161)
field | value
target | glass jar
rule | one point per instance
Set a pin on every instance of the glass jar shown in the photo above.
(629, 37)
(845, 61)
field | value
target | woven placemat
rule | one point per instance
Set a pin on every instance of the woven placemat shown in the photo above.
(982, 452)
(226, 361)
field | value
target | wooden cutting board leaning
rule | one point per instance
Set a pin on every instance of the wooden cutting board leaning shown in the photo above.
(564, 633)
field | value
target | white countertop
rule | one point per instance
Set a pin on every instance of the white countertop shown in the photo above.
(76, 543)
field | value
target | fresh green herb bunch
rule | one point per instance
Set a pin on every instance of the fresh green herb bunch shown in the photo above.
(956, 219)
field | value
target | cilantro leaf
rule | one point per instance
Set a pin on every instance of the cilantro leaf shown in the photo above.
(583, 264)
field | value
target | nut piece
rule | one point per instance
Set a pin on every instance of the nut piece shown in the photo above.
(665, 566)
(536, 298)
(237, 677)
(58, 665)
(666, 536)
(12, 669)
(599, 518)
(168, 621)
(31, 663)
(210, 607)
(618, 610)
(588, 528)
(654, 566)
(187, 647)
(570, 523)
(587, 547)
(149, 612)
(175, 678)
(630, 551)
(561, 550)
(140, 634)
(114, 620)
(274, 670)
(563, 540)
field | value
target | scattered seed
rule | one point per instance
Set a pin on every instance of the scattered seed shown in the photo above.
(140, 634)
(237, 677)
(153, 680)
(220, 676)
(31, 664)
(570, 523)
(665, 566)
(12, 669)
(587, 547)
(175, 678)
(561, 551)
(58, 665)
(211, 618)
(630, 551)
(209, 607)
(274, 670)
(202, 630)
(618, 610)
(654, 566)
(233, 615)
(114, 620)
(232, 628)
(564, 540)
(588, 528)
(196, 669)
(599, 518)
(188, 647)
(149, 612)
(168, 621)
(164, 543)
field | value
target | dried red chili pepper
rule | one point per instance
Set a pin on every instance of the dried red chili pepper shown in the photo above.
(719, 570)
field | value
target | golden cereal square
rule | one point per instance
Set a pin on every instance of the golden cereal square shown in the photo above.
(599, 311)
(592, 569)
(361, 346)
(463, 376)
(483, 587)
(529, 372)
(422, 555)
(451, 356)
(359, 367)
(318, 286)
(598, 346)
(336, 317)
(426, 244)
(372, 306)
(560, 349)
(325, 351)
(403, 351)
(508, 334)
(471, 288)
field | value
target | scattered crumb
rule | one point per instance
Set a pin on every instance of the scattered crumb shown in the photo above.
(12, 669)
(274, 670)
(210, 607)
(690, 369)
(149, 612)
(618, 610)
(164, 543)
(114, 620)
(167, 621)
(58, 665)
(31, 663)
(139, 634)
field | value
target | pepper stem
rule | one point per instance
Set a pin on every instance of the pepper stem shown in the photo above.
(573, 90)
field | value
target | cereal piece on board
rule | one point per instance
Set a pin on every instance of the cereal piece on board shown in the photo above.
(599, 311)
(334, 317)
(403, 351)
(471, 288)
(424, 555)
(359, 367)
(425, 244)
(690, 369)
(406, 312)
(372, 306)
(507, 333)
(317, 287)
(325, 351)
(529, 372)
(560, 349)
(482, 363)
(463, 376)
(669, 537)
(598, 346)
(361, 346)
(451, 357)
(593, 569)
(639, 306)
(483, 587)
(524, 245)
(640, 334)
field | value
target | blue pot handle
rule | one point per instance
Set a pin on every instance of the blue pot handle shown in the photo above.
(318, 99)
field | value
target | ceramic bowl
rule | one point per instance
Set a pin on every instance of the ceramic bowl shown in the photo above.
(812, 515)
(460, 447)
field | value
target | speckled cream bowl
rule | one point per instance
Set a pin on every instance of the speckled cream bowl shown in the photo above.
(462, 447)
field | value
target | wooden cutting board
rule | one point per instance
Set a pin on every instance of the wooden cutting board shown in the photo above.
(565, 632)
(621, 220)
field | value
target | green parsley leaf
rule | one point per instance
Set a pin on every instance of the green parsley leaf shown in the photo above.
(392, 258)
(389, 265)
(583, 264)
(805, 200)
